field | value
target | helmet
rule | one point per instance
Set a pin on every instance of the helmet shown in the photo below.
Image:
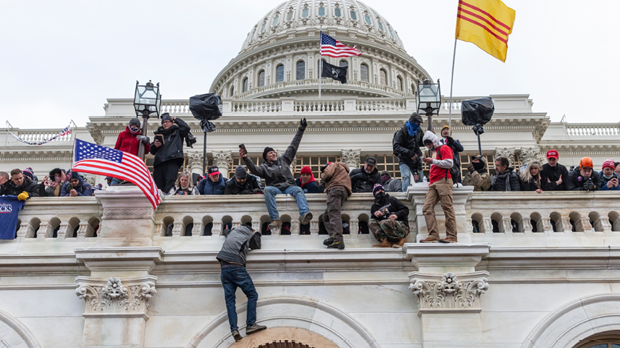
(586, 162)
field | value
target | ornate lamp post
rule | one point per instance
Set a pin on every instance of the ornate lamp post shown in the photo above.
(428, 99)
(147, 103)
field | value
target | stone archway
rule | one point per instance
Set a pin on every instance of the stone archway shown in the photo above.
(285, 337)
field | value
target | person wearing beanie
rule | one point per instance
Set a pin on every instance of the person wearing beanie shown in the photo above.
(389, 184)
(478, 175)
(338, 187)
(406, 145)
(363, 179)
(609, 179)
(306, 181)
(389, 219)
(129, 141)
(456, 147)
(439, 190)
(76, 187)
(167, 147)
(584, 178)
(243, 183)
(553, 174)
(277, 173)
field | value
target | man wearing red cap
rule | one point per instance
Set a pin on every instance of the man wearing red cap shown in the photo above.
(609, 179)
(553, 174)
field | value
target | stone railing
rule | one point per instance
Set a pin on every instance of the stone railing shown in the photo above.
(589, 130)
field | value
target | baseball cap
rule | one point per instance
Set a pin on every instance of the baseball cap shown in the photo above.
(552, 154)
(213, 170)
(371, 160)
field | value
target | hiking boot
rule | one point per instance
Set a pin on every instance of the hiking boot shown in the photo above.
(448, 240)
(236, 335)
(328, 241)
(430, 239)
(305, 219)
(275, 224)
(254, 328)
(384, 244)
(400, 243)
(336, 245)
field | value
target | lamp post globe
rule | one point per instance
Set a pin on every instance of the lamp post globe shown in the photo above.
(147, 103)
(428, 98)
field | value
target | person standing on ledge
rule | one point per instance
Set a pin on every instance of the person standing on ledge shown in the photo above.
(168, 150)
(338, 188)
(232, 259)
(277, 174)
(406, 145)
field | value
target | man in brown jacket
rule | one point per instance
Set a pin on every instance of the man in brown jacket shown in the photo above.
(335, 175)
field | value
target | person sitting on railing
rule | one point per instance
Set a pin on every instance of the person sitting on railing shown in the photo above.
(76, 187)
(338, 187)
(183, 186)
(584, 178)
(277, 174)
(232, 258)
(243, 183)
(129, 141)
(553, 174)
(456, 147)
(365, 178)
(531, 179)
(505, 177)
(478, 175)
(406, 145)
(389, 219)
(20, 186)
(4, 177)
(214, 183)
(609, 179)
(389, 184)
(168, 150)
(306, 181)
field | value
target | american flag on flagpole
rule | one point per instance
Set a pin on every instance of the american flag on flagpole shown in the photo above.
(332, 48)
(101, 160)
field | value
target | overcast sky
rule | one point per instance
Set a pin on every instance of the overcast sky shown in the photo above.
(61, 59)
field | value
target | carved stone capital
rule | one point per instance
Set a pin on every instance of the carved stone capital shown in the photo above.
(223, 159)
(449, 292)
(115, 297)
(530, 154)
(351, 158)
(506, 152)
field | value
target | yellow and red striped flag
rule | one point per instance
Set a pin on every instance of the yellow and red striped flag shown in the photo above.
(487, 24)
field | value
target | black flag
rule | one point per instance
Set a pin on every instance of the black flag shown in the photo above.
(335, 72)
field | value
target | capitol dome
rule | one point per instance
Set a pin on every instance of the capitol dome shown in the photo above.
(280, 56)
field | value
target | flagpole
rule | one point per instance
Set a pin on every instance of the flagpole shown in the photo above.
(451, 84)
(321, 65)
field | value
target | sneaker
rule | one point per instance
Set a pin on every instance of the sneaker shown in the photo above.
(305, 219)
(336, 245)
(254, 328)
(448, 240)
(236, 335)
(275, 224)
(328, 241)
(400, 243)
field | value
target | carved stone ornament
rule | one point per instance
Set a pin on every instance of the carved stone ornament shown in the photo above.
(449, 292)
(351, 158)
(115, 297)
(506, 152)
(530, 154)
(223, 159)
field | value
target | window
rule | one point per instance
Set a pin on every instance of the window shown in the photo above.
(364, 72)
(353, 15)
(322, 11)
(276, 19)
(232, 91)
(380, 25)
(261, 78)
(338, 12)
(390, 29)
(314, 162)
(245, 84)
(301, 70)
(289, 15)
(280, 73)
(383, 76)
(385, 162)
(367, 19)
(319, 67)
(399, 82)
(305, 12)
(262, 29)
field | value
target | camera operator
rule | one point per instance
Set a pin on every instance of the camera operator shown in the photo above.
(583, 178)
(168, 150)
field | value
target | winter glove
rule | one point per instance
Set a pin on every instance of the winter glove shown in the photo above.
(449, 141)
(143, 139)
(303, 124)
(23, 196)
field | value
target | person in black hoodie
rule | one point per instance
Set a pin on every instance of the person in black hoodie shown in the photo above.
(242, 183)
(505, 177)
(20, 186)
(553, 174)
(531, 179)
(365, 178)
(584, 178)
(389, 219)
(168, 150)
(406, 145)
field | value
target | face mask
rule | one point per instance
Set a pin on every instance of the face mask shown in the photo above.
(608, 177)
(478, 166)
(134, 131)
(380, 196)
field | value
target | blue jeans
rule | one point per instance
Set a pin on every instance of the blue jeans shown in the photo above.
(405, 173)
(115, 181)
(233, 277)
(295, 191)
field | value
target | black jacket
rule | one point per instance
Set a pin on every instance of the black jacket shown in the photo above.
(251, 186)
(405, 146)
(362, 181)
(310, 187)
(551, 174)
(530, 185)
(576, 182)
(394, 206)
(172, 149)
(456, 147)
(9, 188)
(500, 181)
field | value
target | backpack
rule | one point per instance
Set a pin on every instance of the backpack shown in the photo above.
(455, 171)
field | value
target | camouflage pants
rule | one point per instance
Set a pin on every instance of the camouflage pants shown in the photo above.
(393, 230)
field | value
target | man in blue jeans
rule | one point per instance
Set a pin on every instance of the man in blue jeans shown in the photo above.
(277, 174)
(232, 258)
(406, 145)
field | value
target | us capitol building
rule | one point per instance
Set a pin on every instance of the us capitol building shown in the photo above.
(541, 271)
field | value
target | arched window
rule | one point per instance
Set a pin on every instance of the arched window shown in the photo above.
(399, 83)
(367, 19)
(232, 91)
(262, 28)
(301, 70)
(276, 19)
(289, 15)
(245, 85)
(261, 78)
(337, 12)
(383, 77)
(380, 25)
(322, 11)
(305, 12)
(364, 72)
(353, 15)
(343, 63)
(390, 30)
(280, 73)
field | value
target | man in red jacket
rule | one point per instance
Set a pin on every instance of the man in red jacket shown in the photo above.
(129, 141)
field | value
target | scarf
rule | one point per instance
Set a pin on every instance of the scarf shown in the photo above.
(312, 179)
(412, 128)
(506, 177)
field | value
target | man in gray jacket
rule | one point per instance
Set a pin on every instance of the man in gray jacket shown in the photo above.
(277, 174)
(232, 258)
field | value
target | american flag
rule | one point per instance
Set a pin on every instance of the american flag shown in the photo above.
(101, 160)
(332, 48)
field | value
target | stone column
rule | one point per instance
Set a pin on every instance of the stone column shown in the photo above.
(194, 160)
(223, 160)
(351, 158)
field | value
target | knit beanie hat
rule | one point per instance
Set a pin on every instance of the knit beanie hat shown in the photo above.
(266, 150)
(134, 121)
(75, 175)
(240, 172)
(306, 170)
(376, 188)
(29, 173)
(609, 163)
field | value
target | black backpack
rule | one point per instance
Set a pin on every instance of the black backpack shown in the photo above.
(455, 171)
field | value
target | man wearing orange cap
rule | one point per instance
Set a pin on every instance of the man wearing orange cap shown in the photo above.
(609, 179)
(553, 174)
(584, 178)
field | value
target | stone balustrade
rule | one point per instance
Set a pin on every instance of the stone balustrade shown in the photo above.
(593, 130)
